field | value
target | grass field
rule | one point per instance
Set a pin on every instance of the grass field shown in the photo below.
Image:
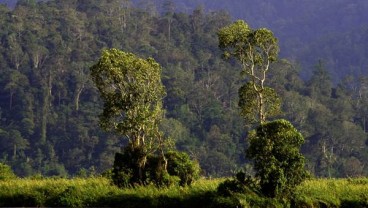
(334, 192)
(98, 192)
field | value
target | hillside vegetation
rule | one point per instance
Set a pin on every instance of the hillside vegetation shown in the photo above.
(49, 106)
(309, 30)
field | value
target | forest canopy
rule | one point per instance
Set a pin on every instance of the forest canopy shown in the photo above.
(49, 106)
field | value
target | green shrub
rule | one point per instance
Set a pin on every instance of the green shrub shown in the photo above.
(180, 169)
(157, 174)
(6, 172)
(107, 174)
(241, 183)
(179, 164)
(229, 187)
(70, 197)
(168, 180)
(275, 150)
(122, 173)
(130, 169)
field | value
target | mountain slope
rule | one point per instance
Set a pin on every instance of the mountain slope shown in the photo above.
(302, 25)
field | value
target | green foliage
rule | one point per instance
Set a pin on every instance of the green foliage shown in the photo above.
(98, 192)
(157, 173)
(179, 164)
(132, 92)
(49, 104)
(333, 193)
(6, 172)
(180, 169)
(70, 198)
(84, 173)
(255, 50)
(240, 184)
(275, 150)
(126, 170)
(248, 103)
(236, 37)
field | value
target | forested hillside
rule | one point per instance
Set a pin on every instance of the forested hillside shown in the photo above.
(309, 30)
(49, 106)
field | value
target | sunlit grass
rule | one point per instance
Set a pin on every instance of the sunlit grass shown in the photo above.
(92, 192)
(337, 192)
(51, 191)
(97, 192)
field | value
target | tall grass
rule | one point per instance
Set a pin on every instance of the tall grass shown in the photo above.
(334, 192)
(54, 192)
(94, 192)
(98, 192)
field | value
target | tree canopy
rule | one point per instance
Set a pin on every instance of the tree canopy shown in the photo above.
(49, 106)
(275, 150)
(255, 50)
(132, 92)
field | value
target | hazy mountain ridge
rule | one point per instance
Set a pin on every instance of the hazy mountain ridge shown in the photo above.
(302, 26)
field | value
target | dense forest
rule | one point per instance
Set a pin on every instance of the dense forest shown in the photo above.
(49, 107)
(308, 30)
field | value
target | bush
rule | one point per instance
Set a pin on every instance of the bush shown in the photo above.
(70, 198)
(279, 165)
(107, 174)
(6, 172)
(241, 183)
(125, 171)
(180, 169)
(157, 174)
(179, 164)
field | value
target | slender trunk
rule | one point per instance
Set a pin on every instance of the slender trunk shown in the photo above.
(262, 116)
(164, 159)
(45, 109)
(44, 119)
(142, 165)
(77, 97)
(169, 21)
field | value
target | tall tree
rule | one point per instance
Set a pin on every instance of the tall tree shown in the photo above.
(169, 9)
(132, 92)
(256, 50)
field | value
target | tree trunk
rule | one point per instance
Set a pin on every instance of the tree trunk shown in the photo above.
(262, 116)
(169, 30)
(45, 108)
(77, 97)
(44, 119)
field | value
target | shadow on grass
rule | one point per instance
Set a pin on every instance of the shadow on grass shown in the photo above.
(354, 204)
(203, 200)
